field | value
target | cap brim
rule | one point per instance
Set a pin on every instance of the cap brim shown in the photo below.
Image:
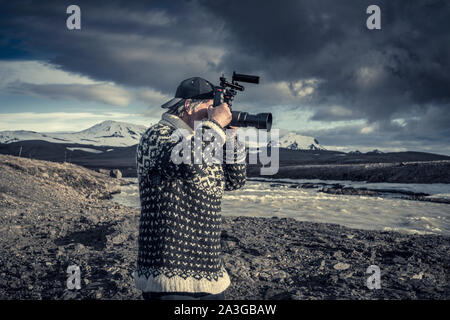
(169, 104)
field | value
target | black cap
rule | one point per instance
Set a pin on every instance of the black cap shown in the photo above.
(192, 88)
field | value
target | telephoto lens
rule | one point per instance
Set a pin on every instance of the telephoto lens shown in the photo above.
(245, 119)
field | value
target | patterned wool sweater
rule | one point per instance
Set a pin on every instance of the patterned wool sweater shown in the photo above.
(179, 231)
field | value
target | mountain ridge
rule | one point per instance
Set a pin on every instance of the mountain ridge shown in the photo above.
(106, 133)
(123, 134)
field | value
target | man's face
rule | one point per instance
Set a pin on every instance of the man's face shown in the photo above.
(201, 111)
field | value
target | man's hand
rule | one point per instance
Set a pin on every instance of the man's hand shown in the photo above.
(221, 114)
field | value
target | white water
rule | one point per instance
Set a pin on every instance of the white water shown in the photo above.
(259, 199)
(85, 149)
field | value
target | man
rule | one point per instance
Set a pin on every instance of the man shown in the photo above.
(179, 231)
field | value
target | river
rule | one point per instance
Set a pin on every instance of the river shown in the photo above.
(265, 199)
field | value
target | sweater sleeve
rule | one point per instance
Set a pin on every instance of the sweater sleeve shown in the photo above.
(234, 165)
(183, 157)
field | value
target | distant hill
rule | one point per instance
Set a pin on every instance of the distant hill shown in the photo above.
(106, 133)
(112, 144)
(103, 157)
(306, 157)
(124, 158)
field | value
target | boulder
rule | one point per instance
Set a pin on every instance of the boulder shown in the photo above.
(115, 173)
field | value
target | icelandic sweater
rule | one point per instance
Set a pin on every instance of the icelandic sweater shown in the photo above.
(179, 231)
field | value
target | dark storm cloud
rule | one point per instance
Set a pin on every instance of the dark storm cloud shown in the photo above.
(387, 137)
(103, 93)
(399, 72)
(131, 43)
(380, 73)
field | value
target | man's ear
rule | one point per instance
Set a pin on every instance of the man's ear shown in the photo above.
(187, 103)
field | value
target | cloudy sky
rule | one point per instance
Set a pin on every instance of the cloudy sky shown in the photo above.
(323, 73)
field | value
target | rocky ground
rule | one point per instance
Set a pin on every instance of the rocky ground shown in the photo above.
(54, 215)
(287, 259)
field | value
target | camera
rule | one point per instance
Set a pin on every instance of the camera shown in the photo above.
(226, 91)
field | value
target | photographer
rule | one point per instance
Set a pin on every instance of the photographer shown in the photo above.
(179, 232)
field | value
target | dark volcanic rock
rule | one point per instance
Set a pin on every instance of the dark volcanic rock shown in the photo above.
(302, 260)
(349, 191)
(116, 173)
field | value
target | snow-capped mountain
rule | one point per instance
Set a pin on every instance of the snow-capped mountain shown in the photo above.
(295, 141)
(123, 134)
(375, 151)
(106, 133)
(286, 139)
